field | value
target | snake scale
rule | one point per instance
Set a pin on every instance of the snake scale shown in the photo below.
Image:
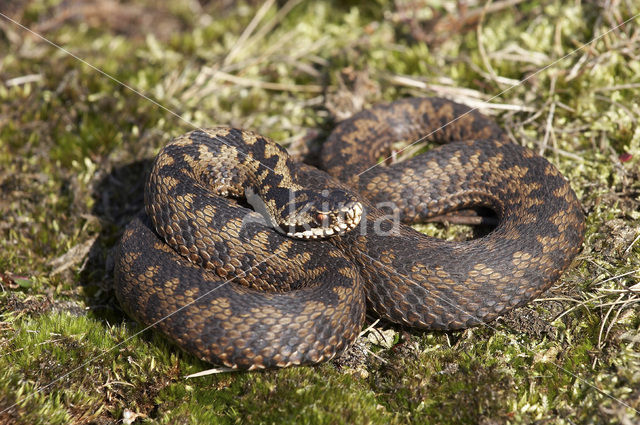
(251, 260)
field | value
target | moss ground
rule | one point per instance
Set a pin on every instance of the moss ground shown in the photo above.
(75, 146)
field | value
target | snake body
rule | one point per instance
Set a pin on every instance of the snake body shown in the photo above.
(232, 286)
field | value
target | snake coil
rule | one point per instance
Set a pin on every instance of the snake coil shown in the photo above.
(214, 262)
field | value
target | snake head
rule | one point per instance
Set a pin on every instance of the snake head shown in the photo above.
(312, 215)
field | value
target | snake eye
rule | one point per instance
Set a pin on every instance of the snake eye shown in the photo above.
(321, 217)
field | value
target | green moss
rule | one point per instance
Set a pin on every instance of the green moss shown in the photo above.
(306, 395)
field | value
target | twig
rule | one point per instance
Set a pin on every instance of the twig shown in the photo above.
(212, 371)
(613, 322)
(619, 87)
(480, 38)
(618, 276)
(626, 251)
(462, 95)
(604, 320)
(247, 31)
(266, 28)
(376, 356)
(552, 110)
(241, 81)
(369, 328)
(71, 257)
(25, 79)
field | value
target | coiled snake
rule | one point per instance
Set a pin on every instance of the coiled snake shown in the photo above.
(239, 287)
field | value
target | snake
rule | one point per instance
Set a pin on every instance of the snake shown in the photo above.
(249, 259)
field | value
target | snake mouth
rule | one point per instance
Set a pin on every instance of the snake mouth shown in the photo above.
(327, 224)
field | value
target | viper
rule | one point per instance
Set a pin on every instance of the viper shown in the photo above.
(249, 259)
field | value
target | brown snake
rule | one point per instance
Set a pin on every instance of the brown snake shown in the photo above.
(233, 287)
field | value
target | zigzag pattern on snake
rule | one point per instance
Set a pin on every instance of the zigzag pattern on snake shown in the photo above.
(235, 287)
